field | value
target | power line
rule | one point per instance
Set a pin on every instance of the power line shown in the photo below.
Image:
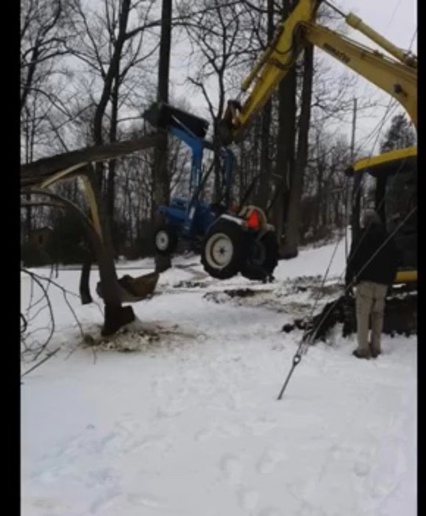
(393, 14)
(392, 105)
(413, 38)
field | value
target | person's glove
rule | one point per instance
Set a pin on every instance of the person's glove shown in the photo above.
(348, 280)
(349, 292)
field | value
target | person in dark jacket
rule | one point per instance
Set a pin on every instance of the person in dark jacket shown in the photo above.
(372, 266)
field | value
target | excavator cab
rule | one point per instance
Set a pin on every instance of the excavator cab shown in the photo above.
(389, 183)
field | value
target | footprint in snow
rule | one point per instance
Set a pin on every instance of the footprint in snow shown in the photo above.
(232, 469)
(308, 509)
(270, 511)
(49, 475)
(362, 468)
(146, 500)
(234, 401)
(46, 503)
(248, 499)
(260, 428)
(104, 501)
(362, 465)
(383, 490)
(203, 435)
(150, 441)
(229, 430)
(101, 477)
(269, 460)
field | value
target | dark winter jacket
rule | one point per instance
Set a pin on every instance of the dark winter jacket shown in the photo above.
(363, 266)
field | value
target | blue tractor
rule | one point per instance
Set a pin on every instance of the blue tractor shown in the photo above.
(229, 241)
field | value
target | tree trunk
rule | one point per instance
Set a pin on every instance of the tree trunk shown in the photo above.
(318, 197)
(217, 186)
(110, 187)
(28, 218)
(265, 158)
(161, 182)
(253, 163)
(290, 249)
(110, 76)
(285, 148)
(285, 140)
(84, 288)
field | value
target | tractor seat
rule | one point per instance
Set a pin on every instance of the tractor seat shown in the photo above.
(248, 210)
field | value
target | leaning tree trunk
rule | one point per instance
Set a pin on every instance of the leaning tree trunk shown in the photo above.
(115, 315)
(291, 245)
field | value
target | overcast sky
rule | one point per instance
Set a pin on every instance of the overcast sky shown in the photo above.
(394, 19)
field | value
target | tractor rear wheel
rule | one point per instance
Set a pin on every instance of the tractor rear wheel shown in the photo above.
(262, 257)
(223, 250)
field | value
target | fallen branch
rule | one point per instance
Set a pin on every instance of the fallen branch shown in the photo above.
(36, 307)
(50, 355)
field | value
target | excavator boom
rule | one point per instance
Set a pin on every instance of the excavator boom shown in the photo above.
(393, 77)
(395, 74)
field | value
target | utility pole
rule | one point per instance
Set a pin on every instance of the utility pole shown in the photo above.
(353, 130)
(350, 195)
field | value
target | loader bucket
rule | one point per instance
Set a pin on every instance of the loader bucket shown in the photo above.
(162, 116)
(133, 290)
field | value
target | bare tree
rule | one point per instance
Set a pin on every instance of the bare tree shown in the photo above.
(43, 32)
(111, 45)
(43, 36)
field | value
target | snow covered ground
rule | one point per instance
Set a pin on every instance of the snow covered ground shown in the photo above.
(189, 424)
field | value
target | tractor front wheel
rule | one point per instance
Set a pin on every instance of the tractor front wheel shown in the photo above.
(165, 240)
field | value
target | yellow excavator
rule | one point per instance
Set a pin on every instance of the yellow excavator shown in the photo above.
(391, 69)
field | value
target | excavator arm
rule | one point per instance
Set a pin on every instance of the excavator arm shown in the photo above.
(396, 75)
(393, 77)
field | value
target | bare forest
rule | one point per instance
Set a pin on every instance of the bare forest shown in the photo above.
(90, 69)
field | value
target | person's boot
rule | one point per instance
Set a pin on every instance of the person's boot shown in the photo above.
(361, 353)
(375, 352)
